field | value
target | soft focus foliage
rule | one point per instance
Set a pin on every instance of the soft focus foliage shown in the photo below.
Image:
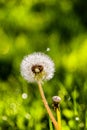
(59, 29)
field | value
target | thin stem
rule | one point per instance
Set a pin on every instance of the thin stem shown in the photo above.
(50, 124)
(59, 118)
(47, 107)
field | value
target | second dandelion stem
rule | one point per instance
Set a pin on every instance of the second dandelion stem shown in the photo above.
(59, 118)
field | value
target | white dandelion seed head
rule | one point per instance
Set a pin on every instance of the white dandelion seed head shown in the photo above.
(37, 66)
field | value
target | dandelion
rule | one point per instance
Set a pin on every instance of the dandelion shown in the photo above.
(37, 67)
(56, 102)
(56, 105)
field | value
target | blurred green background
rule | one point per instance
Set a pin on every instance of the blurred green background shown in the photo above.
(59, 29)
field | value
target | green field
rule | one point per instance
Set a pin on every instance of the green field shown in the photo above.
(57, 28)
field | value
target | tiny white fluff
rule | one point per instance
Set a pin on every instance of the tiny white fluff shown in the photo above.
(37, 66)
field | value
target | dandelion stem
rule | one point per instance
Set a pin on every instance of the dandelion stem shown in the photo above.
(47, 106)
(59, 118)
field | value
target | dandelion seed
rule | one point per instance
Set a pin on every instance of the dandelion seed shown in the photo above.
(48, 49)
(77, 118)
(24, 95)
(37, 67)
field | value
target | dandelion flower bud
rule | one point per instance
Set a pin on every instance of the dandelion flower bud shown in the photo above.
(37, 67)
(56, 101)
